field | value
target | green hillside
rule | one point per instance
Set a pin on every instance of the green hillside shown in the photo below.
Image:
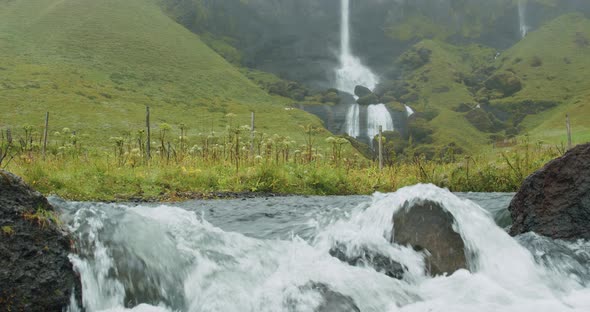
(553, 64)
(473, 96)
(95, 65)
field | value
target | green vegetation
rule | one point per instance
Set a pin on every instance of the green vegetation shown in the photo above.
(184, 167)
(7, 230)
(96, 74)
(480, 97)
(42, 217)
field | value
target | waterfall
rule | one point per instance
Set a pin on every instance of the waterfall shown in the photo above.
(352, 73)
(409, 111)
(378, 115)
(523, 28)
(352, 125)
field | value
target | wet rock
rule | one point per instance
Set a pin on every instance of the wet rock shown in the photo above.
(35, 272)
(555, 200)
(366, 257)
(368, 99)
(426, 225)
(332, 301)
(361, 91)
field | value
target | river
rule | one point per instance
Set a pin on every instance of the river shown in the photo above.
(272, 254)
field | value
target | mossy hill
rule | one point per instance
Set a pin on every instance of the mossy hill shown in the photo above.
(474, 96)
(96, 65)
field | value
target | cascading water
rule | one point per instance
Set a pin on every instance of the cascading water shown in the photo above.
(352, 73)
(266, 255)
(522, 24)
(352, 125)
(378, 115)
(409, 111)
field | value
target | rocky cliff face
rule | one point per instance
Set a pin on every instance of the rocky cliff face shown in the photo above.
(35, 272)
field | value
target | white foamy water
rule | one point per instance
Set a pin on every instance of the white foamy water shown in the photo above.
(167, 258)
(352, 123)
(352, 73)
(409, 111)
(378, 115)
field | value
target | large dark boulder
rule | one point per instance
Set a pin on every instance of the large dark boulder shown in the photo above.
(555, 201)
(361, 91)
(35, 272)
(426, 225)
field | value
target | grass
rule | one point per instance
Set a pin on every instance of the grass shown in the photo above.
(554, 72)
(213, 165)
(95, 65)
(7, 230)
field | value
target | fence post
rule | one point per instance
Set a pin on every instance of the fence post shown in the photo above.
(252, 135)
(149, 139)
(569, 131)
(380, 147)
(45, 131)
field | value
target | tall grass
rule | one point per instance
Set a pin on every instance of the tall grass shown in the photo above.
(186, 167)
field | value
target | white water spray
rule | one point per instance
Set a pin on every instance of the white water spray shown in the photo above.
(352, 124)
(378, 115)
(352, 73)
(164, 259)
(522, 24)
(409, 111)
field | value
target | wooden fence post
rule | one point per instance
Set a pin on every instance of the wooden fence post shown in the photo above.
(45, 131)
(149, 138)
(252, 135)
(569, 131)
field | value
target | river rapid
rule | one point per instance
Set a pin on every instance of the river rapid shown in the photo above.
(273, 254)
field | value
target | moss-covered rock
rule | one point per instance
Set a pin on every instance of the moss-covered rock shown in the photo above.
(505, 82)
(396, 106)
(35, 271)
(415, 58)
(368, 99)
(484, 121)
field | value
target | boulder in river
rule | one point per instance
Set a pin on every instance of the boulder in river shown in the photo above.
(365, 257)
(426, 225)
(555, 200)
(35, 272)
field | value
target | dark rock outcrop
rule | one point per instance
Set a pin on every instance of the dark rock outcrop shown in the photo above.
(555, 201)
(426, 225)
(361, 91)
(366, 257)
(35, 272)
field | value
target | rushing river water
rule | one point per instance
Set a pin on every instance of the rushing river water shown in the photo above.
(273, 255)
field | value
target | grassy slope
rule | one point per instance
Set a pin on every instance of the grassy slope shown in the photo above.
(562, 77)
(95, 65)
(441, 73)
